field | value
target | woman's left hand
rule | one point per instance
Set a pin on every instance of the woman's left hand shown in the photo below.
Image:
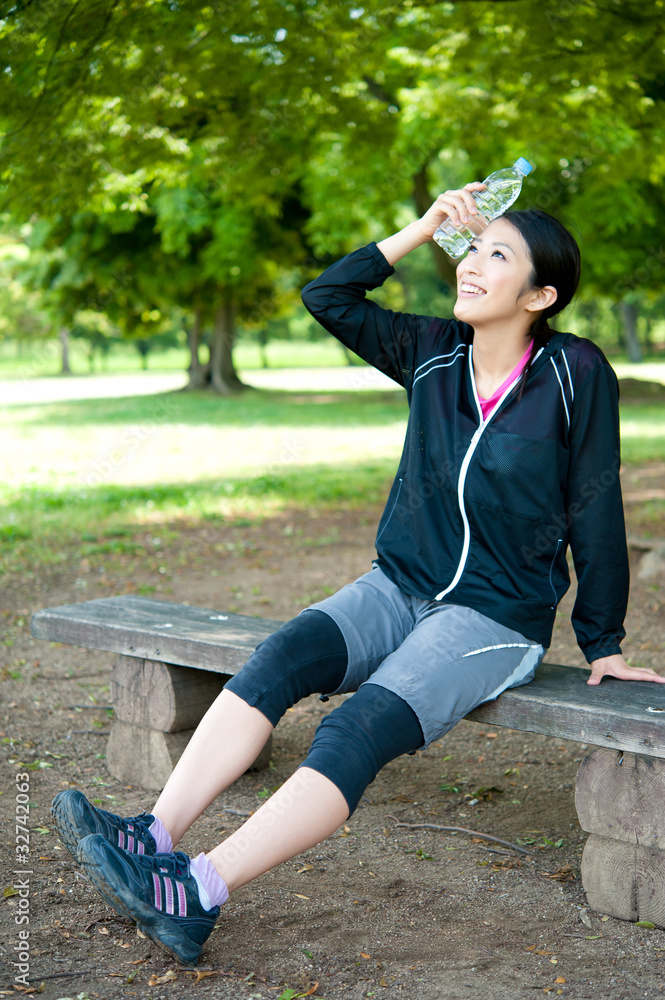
(616, 666)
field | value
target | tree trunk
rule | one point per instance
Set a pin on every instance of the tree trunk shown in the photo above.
(422, 200)
(263, 345)
(648, 335)
(348, 355)
(198, 374)
(223, 374)
(64, 345)
(629, 316)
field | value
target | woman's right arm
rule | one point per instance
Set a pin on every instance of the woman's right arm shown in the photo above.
(453, 205)
(337, 298)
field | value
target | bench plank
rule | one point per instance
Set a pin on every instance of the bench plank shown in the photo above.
(621, 715)
(156, 630)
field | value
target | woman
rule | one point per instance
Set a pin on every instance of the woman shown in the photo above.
(511, 454)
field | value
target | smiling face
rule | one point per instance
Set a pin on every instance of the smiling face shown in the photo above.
(494, 281)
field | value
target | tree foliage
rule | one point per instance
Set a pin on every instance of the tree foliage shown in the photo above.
(211, 157)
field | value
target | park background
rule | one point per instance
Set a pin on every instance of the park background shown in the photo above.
(175, 424)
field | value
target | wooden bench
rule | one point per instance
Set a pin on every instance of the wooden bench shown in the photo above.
(172, 661)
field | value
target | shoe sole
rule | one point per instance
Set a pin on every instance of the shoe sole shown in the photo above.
(62, 818)
(146, 917)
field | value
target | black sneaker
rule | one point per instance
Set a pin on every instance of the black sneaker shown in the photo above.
(75, 818)
(158, 892)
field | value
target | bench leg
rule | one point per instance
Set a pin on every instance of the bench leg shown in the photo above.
(620, 800)
(157, 706)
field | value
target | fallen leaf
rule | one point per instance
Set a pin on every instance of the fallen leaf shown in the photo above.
(312, 990)
(305, 868)
(103, 930)
(139, 933)
(645, 923)
(168, 977)
(199, 974)
(299, 895)
(560, 979)
(363, 954)
(592, 937)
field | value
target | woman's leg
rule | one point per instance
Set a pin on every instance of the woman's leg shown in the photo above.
(303, 811)
(351, 745)
(306, 655)
(226, 742)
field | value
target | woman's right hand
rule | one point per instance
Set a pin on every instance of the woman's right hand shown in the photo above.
(458, 206)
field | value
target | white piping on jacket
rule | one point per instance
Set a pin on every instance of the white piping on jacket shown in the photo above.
(473, 444)
(570, 381)
(563, 395)
(453, 354)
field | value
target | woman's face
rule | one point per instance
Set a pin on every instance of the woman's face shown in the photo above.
(494, 279)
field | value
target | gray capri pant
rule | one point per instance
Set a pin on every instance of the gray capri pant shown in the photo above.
(442, 659)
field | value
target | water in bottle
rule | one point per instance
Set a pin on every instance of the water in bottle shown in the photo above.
(503, 187)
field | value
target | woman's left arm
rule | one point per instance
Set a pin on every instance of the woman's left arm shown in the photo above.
(616, 666)
(597, 532)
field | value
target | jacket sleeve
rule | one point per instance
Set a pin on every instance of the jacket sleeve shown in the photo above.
(383, 338)
(597, 530)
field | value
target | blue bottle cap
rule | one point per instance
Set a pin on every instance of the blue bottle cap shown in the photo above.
(523, 166)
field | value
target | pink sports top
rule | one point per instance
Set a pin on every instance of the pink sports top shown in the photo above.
(487, 405)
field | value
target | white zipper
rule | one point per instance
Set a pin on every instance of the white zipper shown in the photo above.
(473, 444)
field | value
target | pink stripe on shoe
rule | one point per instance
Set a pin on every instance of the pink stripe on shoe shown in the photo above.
(182, 900)
(157, 886)
(121, 840)
(140, 849)
(130, 844)
(168, 893)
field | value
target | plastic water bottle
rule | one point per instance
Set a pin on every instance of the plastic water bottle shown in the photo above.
(503, 188)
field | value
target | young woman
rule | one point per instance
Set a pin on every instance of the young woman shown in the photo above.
(511, 455)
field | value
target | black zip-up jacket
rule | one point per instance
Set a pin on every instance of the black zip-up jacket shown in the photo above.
(481, 512)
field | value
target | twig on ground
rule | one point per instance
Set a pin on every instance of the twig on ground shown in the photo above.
(69, 677)
(457, 829)
(100, 920)
(90, 708)
(60, 975)
(235, 812)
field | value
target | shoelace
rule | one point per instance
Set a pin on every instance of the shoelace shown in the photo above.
(132, 830)
(176, 864)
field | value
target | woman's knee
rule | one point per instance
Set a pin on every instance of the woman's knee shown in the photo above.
(306, 655)
(361, 736)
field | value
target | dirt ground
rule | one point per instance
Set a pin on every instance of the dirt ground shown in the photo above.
(377, 910)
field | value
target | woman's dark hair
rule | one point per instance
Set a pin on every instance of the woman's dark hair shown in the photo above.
(555, 260)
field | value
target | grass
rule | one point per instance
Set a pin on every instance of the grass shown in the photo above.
(94, 473)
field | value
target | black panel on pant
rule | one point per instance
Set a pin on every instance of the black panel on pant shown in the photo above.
(361, 736)
(305, 656)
